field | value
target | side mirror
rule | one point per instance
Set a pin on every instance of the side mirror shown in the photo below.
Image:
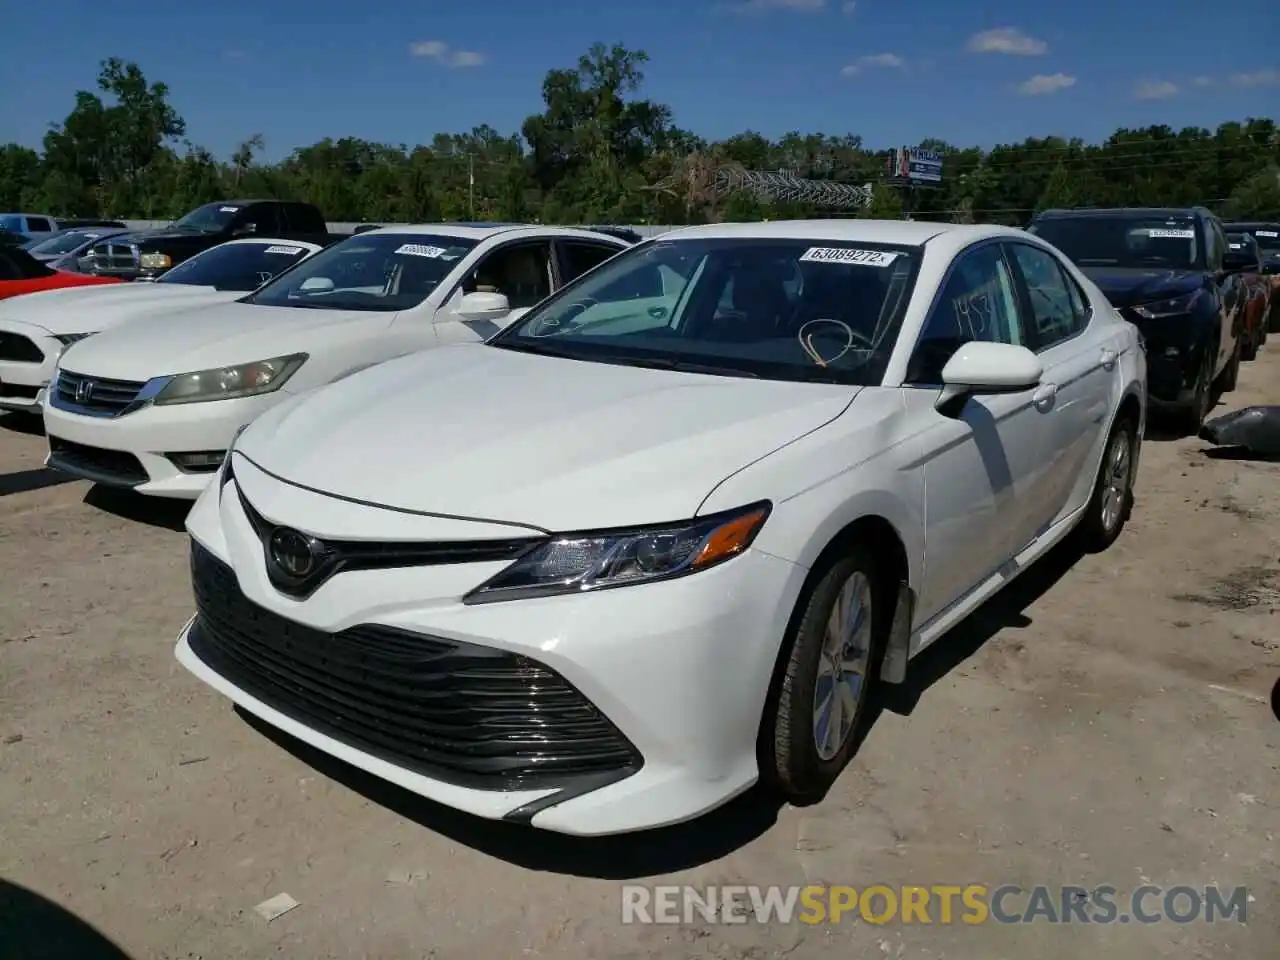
(484, 306)
(989, 368)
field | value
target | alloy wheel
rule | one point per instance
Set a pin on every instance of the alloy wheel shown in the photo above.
(1116, 476)
(842, 666)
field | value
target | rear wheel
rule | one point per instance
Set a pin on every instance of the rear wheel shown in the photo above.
(1112, 499)
(826, 678)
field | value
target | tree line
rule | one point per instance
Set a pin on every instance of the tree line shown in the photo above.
(599, 152)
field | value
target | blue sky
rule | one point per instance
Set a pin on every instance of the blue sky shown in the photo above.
(893, 72)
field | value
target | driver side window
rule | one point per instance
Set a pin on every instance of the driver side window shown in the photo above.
(978, 303)
(522, 273)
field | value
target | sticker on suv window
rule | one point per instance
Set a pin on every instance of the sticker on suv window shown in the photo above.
(419, 250)
(228, 209)
(867, 258)
(287, 251)
(1268, 233)
(1172, 234)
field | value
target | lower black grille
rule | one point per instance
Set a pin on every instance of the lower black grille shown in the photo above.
(112, 467)
(23, 390)
(97, 394)
(15, 347)
(468, 715)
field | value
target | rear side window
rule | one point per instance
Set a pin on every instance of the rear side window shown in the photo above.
(578, 258)
(1056, 310)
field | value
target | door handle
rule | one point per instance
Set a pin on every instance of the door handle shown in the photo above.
(1108, 358)
(1043, 398)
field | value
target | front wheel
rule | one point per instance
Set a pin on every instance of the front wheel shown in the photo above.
(1112, 499)
(829, 669)
(1230, 376)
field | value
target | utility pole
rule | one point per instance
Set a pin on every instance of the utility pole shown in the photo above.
(471, 185)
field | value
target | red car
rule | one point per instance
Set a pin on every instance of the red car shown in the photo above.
(22, 273)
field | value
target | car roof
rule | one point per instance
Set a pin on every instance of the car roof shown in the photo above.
(909, 233)
(1107, 212)
(483, 231)
(280, 240)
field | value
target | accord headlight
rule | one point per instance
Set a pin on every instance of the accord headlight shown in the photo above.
(227, 383)
(1172, 307)
(576, 563)
(155, 261)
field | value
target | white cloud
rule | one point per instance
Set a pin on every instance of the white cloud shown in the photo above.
(1043, 83)
(763, 6)
(1203, 81)
(1008, 40)
(887, 61)
(1258, 78)
(442, 53)
(1154, 90)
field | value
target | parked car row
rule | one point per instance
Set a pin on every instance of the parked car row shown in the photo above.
(567, 531)
(1175, 273)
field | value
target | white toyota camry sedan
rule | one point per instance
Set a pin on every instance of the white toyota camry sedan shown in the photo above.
(37, 327)
(152, 405)
(656, 540)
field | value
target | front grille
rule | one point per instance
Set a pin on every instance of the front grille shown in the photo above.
(14, 346)
(112, 467)
(114, 256)
(468, 715)
(105, 396)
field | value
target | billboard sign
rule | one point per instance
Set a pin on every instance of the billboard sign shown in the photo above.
(915, 165)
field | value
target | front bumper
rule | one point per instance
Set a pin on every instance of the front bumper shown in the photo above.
(134, 450)
(1175, 351)
(28, 357)
(680, 669)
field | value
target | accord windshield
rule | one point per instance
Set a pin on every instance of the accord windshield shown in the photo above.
(1268, 237)
(211, 218)
(803, 310)
(372, 271)
(1136, 241)
(236, 266)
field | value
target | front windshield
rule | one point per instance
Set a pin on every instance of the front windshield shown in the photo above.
(1242, 242)
(802, 310)
(11, 223)
(1268, 237)
(64, 242)
(1136, 241)
(236, 266)
(211, 218)
(371, 271)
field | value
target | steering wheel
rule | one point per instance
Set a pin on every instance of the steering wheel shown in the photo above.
(565, 322)
(842, 337)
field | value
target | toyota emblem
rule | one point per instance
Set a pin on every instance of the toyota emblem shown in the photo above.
(84, 391)
(294, 554)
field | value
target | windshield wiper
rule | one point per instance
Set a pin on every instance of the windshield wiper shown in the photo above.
(540, 349)
(681, 366)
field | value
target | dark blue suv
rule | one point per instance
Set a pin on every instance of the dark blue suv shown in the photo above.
(1166, 270)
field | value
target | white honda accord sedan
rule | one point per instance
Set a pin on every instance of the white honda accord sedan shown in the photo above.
(151, 406)
(36, 328)
(655, 541)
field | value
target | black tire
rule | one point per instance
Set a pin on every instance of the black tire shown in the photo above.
(1230, 376)
(1100, 527)
(790, 762)
(1249, 346)
(1188, 420)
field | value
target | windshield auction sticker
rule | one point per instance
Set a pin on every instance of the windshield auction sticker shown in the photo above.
(866, 258)
(1172, 234)
(287, 251)
(418, 250)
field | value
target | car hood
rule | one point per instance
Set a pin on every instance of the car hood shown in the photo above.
(182, 339)
(91, 309)
(490, 434)
(1129, 286)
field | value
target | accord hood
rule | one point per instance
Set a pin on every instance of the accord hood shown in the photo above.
(490, 434)
(186, 338)
(1130, 286)
(90, 309)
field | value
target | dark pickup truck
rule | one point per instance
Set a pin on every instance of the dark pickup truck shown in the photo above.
(149, 254)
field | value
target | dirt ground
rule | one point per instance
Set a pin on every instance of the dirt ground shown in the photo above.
(1105, 722)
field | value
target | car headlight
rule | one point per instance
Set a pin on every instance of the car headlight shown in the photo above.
(67, 339)
(228, 383)
(155, 261)
(577, 563)
(1171, 307)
